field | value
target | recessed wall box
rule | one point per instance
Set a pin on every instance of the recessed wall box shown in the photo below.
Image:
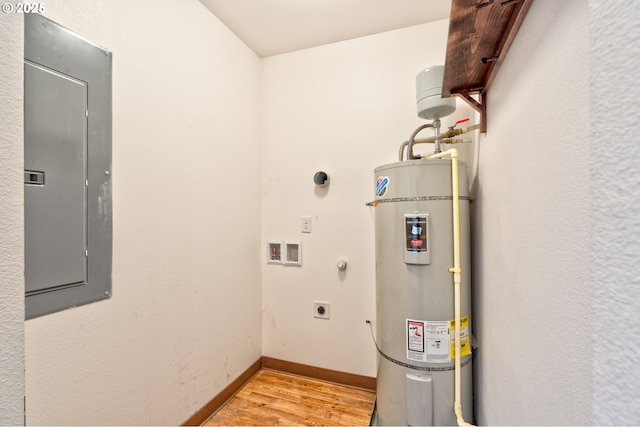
(274, 252)
(293, 253)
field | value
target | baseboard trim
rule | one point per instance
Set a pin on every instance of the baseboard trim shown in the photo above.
(337, 377)
(221, 398)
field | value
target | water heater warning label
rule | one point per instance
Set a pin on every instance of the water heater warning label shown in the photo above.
(415, 334)
(465, 342)
(428, 341)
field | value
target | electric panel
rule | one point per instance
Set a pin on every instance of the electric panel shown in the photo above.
(67, 175)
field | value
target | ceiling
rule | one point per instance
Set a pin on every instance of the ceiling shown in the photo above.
(272, 27)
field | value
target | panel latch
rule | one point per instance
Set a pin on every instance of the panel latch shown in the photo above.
(34, 178)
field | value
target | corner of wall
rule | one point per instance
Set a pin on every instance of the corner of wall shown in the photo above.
(614, 45)
(12, 386)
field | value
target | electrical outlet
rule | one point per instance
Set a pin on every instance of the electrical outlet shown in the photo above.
(321, 309)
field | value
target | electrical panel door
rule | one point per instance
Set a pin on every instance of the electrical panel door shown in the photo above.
(55, 159)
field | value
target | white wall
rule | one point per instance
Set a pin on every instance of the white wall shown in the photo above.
(184, 319)
(614, 166)
(11, 222)
(557, 222)
(532, 250)
(343, 108)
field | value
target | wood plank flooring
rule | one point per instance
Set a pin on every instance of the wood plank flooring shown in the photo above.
(275, 398)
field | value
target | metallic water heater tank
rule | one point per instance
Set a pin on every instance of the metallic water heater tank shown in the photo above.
(415, 294)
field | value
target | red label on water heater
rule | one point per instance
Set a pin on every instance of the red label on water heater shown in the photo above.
(417, 249)
(416, 233)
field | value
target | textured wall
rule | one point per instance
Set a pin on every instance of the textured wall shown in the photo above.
(11, 222)
(343, 108)
(184, 320)
(533, 245)
(615, 193)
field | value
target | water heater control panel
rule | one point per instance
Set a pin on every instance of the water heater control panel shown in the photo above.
(417, 239)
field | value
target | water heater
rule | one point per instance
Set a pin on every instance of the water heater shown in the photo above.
(416, 251)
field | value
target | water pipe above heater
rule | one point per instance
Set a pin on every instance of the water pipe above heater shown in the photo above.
(444, 138)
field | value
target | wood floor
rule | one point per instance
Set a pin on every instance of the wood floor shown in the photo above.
(275, 398)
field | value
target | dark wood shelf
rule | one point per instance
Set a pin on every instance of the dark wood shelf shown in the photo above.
(480, 34)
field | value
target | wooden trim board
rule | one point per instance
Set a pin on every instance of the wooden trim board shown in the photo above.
(329, 375)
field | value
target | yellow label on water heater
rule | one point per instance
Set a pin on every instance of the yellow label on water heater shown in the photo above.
(465, 341)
